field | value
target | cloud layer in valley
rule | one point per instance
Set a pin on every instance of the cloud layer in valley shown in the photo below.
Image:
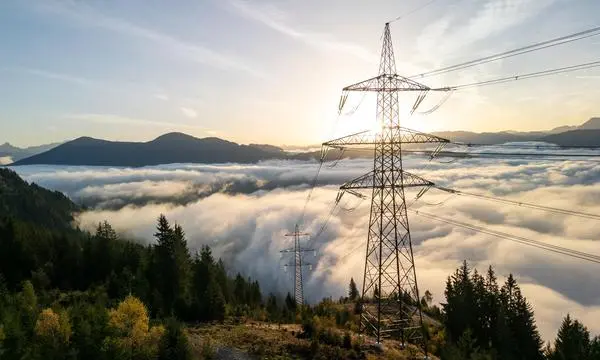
(5, 160)
(243, 211)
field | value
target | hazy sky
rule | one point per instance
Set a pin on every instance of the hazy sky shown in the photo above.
(272, 71)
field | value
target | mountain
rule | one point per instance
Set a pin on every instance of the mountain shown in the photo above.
(12, 153)
(591, 124)
(32, 203)
(488, 138)
(181, 148)
(570, 135)
(575, 138)
(168, 148)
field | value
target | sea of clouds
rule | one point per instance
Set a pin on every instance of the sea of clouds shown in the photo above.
(244, 211)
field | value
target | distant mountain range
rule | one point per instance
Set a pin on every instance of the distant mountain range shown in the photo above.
(168, 148)
(13, 153)
(585, 134)
(182, 148)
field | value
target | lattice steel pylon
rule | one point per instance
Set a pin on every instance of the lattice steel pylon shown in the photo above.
(297, 250)
(390, 295)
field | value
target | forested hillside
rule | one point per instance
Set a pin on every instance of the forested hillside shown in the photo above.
(31, 203)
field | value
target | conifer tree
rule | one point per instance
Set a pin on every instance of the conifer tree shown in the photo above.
(527, 343)
(572, 342)
(163, 269)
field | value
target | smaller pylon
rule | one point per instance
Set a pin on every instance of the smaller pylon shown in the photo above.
(298, 264)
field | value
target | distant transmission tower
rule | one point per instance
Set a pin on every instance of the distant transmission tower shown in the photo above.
(390, 295)
(297, 250)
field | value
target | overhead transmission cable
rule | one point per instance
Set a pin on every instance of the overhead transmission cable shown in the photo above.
(510, 53)
(501, 155)
(528, 146)
(522, 204)
(410, 12)
(519, 239)
(548, 72)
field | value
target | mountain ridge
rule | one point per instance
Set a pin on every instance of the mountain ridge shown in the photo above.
(172, 147)
(178, 147)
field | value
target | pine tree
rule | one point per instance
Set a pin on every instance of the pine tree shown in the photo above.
(103, 251)
(353, 290)
(290, 303)
(180, 264)
(595, 349)
(459, 303)
(206, 291)
(214, 302)
(480, 317)
(527, 343)
(572, 342)
(223, 280)
(272, 308)
(239, 289)
(491, 308)
(162, 270)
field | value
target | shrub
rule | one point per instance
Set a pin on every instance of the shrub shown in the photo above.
(174, 344)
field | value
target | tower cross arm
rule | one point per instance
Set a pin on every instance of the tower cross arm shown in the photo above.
(373, 179)
(296, 233)
(291, 250)
(370, 138)
(391, 82)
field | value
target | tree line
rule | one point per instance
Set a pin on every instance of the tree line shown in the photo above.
(483, 320)
(57, 289)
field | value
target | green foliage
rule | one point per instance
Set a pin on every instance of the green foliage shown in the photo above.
(497, 320)
(34, 204)
(174, 344)
(207, 352)
(573, 342)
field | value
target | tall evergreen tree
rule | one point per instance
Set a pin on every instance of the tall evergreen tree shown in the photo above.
(595, 349)
(459, 302)
(181, 268)
(521, 322)
(171, 266)
(572, 342)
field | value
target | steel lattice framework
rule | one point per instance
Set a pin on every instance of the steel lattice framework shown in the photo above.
(390, 295)
(297, 250)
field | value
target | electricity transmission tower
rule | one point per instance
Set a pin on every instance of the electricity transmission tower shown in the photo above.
(297, 264)
(390, 295)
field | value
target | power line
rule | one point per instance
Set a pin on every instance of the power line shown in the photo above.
(555, 71)
(523, 204)
(518, 51)
(528, 146)
(418, 8)
(519, 239)
(500, 155)
(492, 153)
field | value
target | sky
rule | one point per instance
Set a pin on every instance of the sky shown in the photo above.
(272, 71)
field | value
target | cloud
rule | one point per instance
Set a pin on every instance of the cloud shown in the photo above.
(270, 16)
(162, 97)
(243, 211)
(88, 16)
(5, 160)
(56, 76)
(124, 120)
(476, 21)
(191, 113)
